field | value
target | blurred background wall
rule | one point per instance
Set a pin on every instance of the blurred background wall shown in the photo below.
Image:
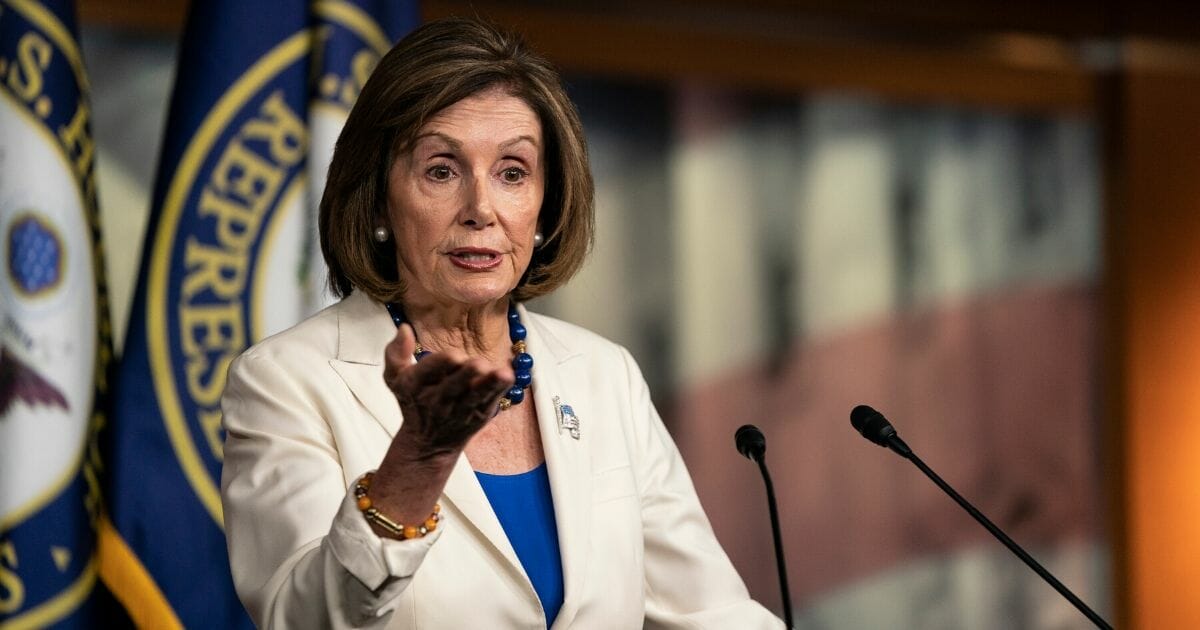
(974, 216)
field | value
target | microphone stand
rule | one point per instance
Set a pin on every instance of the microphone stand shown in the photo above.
(903, 450)
(751, 442)
(780, 565)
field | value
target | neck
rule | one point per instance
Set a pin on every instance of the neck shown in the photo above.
(474, 330)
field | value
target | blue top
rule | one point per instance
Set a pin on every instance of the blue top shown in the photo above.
(526, 511)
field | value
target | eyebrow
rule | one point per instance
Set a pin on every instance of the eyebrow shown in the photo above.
(457, 146)
(526, 137)
(454, 144)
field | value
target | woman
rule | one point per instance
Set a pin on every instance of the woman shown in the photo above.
(504, 494)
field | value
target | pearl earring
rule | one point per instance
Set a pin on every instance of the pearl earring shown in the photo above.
(381, 235)
(538, 239)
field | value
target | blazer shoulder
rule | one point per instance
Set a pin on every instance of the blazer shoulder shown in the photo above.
(572, 338)
(316, 336)
(600, 355)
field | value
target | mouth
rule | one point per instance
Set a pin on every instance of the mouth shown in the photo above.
(474, 258)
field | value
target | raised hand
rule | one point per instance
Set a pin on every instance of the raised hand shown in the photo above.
(445, 398)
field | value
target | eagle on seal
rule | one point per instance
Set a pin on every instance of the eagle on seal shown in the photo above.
(21, 383)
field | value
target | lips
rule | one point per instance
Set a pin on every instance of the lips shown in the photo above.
(474, 258)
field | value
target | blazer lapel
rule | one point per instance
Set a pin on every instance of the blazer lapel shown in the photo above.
(567, 459)
(466, 500)
(568, 464)
(364, 330)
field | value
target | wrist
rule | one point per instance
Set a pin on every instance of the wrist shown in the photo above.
(410, 478)
(380, 521)
(412, 449)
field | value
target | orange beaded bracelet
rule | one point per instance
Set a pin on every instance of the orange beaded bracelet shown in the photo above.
(374, 516)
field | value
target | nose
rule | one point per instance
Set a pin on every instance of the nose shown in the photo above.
(478, 209)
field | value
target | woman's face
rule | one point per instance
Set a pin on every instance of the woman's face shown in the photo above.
(463, 203)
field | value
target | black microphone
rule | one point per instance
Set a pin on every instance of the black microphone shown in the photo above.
(751, 443)
(873, 426)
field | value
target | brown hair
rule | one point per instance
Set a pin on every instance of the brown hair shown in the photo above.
(435, 66)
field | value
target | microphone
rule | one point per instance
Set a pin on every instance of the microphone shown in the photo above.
(876, 428)
(752, 444)
(873, 426)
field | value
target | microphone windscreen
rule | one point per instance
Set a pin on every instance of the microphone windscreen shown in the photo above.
(750, 441)
(871, 424)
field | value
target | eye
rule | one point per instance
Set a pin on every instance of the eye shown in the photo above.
(513, 174)
(440, 172)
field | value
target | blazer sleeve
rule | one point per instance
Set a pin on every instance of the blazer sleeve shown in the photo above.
(689, 581)
(301, 553)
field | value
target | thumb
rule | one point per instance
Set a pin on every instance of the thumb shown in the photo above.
(407, 337)
(399, 351)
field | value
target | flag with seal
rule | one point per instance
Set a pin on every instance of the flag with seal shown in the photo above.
(54, 329)
(260, 94)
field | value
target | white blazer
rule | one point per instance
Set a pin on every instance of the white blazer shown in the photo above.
(306, 413)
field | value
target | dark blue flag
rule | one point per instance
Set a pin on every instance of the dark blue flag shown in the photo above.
(260, 94)
(54, 328)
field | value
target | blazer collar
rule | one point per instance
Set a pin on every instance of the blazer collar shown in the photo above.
(364, 329)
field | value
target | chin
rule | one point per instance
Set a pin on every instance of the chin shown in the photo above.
(480, 293)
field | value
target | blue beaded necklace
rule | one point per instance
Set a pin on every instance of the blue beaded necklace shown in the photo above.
(522, 363)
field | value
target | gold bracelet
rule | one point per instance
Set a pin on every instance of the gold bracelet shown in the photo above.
(374, 516)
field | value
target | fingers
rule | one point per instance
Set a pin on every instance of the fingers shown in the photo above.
(486, 388)
(457, 382)
(437, 367)
(471, 384)
(448, 411)
(443, 385)
(493, 384)
(401, 373)
(444, 373)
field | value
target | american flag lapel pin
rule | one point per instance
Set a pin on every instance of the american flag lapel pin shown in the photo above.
(567, 420)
